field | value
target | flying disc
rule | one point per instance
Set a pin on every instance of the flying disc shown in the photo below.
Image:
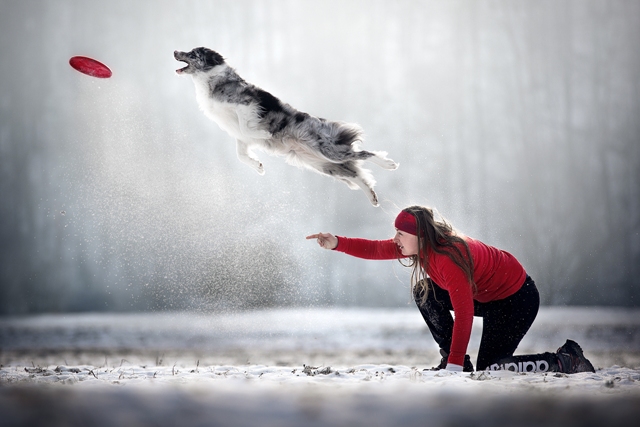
(90, 67)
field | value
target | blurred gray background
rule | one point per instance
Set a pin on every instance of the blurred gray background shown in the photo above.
(517, 120)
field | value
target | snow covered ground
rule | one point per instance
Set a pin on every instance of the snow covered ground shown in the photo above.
(315, 367)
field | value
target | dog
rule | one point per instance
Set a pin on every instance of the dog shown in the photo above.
(256, 118)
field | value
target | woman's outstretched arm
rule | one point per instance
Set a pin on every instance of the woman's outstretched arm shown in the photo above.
(361, 248)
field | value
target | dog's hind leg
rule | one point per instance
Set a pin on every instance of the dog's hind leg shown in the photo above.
(366, 187)
(380, 158)
(245, 156)
(351, 174)
(339, 153)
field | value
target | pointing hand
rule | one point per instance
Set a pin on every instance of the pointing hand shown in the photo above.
(325, 240)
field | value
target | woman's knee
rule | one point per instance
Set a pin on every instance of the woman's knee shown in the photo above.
(427, 292)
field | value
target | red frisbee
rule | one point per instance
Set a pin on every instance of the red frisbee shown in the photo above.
(90, 67)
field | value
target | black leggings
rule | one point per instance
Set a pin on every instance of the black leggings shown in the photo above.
(505, 322)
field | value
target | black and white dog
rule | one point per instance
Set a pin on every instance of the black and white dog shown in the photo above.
(258, 119)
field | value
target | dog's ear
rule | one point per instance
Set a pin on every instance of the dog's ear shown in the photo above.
(213, 58)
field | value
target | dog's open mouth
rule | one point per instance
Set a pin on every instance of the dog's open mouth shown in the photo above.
(182, 70)
(178, 56)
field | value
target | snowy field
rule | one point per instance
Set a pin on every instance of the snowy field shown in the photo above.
(303, 367)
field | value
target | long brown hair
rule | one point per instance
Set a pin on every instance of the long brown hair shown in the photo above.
(441, 238)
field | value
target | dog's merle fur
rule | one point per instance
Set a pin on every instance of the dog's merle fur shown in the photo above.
(258, 119)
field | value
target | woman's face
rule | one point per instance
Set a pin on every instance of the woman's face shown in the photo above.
(408, 243)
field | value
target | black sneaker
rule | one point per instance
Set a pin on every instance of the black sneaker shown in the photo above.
(468, 366)
(572, 360)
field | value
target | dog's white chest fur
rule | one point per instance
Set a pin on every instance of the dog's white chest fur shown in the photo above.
(224, 114)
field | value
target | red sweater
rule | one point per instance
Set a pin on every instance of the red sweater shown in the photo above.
(497, 275)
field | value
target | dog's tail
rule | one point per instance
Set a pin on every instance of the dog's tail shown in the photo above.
(335, 142)
(348, 134)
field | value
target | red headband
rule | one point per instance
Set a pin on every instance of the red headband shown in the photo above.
(406, 222)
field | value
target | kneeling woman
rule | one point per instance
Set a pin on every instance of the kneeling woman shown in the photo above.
(455, 272)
